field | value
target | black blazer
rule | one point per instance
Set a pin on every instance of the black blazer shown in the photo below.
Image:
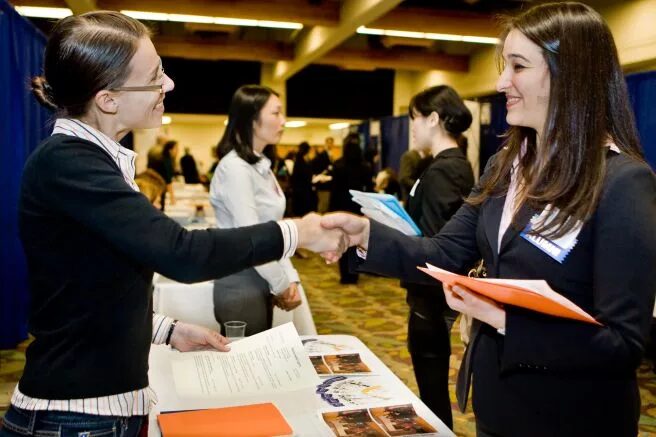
(439, 192)
(550, 376)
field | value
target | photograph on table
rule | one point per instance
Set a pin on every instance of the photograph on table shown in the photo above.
(401, 420)
(348, 391)
(346, 364)
(341, 364)
(352, 423)
(317, 346)
(320, 366)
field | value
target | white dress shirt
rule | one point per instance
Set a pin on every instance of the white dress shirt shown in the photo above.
(244, 194)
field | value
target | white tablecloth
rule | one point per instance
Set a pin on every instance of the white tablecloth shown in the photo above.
(299, 408)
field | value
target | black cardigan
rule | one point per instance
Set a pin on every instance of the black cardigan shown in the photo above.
(92, 244)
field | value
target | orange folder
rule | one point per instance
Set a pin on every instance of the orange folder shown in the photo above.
(535, 295)
(256, 420)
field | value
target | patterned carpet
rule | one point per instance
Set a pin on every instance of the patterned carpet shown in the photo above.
(374, 311)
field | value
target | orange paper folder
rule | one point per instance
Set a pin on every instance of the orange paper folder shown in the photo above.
(257, 420)
(535, 295)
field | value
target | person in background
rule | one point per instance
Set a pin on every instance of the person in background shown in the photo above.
(151, 185)
(350, 172)
(413, 163)
(271, 153)
(189, 168)
(92, 241)
(169, 157)
(438, 116)
(304, 199)
(321, 166)
(244, 191)
(387, 182)
(570, 200)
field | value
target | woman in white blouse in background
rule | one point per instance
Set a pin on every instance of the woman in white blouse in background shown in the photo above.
(245, 192)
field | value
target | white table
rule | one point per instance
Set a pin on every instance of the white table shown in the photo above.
(299, 408)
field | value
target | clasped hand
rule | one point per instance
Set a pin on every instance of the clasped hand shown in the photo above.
(331, 234)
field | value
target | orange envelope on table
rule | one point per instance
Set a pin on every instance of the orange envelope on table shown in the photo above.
(257, 420)
(534, 295)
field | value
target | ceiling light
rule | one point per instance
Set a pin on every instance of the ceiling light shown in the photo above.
(166, 119)
(296, 123)
(481, 39)
(141, 15)
(339, 126)
(191, 18)
(279, 24)
(423, 35)
(234, 21)
(40, 12)
(204, 19)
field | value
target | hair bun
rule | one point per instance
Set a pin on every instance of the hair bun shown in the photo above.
(457, 124)
(43, 92)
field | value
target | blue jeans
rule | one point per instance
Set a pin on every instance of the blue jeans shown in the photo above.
(19, 422)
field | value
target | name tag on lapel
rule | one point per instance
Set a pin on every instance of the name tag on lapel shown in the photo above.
(414, 188)
(558, 248)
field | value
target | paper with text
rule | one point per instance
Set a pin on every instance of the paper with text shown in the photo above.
(269, 362)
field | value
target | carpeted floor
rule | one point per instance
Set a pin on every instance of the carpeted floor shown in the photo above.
(374, 311)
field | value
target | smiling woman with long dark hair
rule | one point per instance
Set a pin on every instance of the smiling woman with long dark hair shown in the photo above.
(571, 172)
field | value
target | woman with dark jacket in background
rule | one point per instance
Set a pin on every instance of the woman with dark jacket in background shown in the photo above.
(438, 116)
(350, 172)
(304, 199)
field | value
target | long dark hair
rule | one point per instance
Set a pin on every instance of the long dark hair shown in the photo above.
(588, 106)
(455, 118)
(85, 54)
(245, 108)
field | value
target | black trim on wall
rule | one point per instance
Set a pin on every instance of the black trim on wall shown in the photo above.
(330, 92)
(206, 87)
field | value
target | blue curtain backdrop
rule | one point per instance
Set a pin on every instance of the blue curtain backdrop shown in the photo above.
(642, 89)
(394, 140)
(491, 133)
(22, 126)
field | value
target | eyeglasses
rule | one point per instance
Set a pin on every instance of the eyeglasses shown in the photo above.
(159, 88)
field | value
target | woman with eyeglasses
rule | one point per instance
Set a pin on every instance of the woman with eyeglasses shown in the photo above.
(92, 241)
(570, 200)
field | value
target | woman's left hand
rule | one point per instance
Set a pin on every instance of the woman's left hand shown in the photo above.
(187, 337)
(465, 301)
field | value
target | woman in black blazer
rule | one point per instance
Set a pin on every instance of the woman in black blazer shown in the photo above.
(438, 117)
(573, 152)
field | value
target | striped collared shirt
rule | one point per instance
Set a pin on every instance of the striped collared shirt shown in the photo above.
(136, 402)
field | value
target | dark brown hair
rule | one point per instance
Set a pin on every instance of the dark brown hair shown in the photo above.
(245, 108)
(85, 54)
(588, 107)
(445, 101)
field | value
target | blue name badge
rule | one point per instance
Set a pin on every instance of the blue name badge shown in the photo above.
(557, 249)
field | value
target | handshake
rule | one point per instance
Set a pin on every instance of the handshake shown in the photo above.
(330, 235)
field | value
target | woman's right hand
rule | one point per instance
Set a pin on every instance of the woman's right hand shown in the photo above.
(290, 298)
(355, 227)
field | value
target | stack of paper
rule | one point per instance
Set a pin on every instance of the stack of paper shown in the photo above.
(272, 361)
(535, 295)
(386, 209)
